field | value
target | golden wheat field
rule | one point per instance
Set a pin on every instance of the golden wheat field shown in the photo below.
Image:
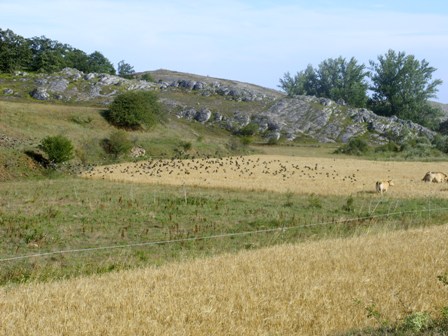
(324, 176)
(315, 288)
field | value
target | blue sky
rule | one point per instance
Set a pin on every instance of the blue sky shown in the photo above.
(245, 40)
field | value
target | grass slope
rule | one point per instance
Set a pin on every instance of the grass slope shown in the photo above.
(24, 125)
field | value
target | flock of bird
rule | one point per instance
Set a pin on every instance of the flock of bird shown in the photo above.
(226, 167)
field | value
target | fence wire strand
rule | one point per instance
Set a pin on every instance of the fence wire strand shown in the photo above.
(217, 236)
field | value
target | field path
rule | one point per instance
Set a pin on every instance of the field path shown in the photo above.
(322, 176)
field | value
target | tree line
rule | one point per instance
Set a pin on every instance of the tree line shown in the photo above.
(399, 85)
(41, 54)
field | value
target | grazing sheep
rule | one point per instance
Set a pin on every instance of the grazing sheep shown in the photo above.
(382, 186)
(435, 177)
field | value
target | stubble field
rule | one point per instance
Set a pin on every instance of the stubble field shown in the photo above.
(316, 288)
(310, 175)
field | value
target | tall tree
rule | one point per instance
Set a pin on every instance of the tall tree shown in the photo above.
(305, 82)
(14, 52)
(99, 63)
(48, 55)
(77, 59)
(342, 79)
(334, 78)
(124, 69)
(402, 86)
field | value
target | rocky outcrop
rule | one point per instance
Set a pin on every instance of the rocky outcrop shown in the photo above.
(327, 121)
(274, 114)
(202, 115)
(72, 85)
(217, 88)
(321, 119)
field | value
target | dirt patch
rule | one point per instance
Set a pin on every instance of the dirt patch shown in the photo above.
(322, 176)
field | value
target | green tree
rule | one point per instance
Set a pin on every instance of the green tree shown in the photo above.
(334, 78)
(14, 52)
(42, 54)
(134, 109)
(58, 148)
(342, 79)
(77, 59)
(124, 69)
(249, 130)
(305, 82)
(97, 62)
(402, 86)
(48, 55)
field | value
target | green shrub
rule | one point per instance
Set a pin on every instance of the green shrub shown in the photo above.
(248, 130)
(417, 322)
(147, 77)
(356, 146)
(246, 140)
(440, 142)
(134, 109)
(58, 148)
(117, 144)
(418, 147)
(388, 147)
(272, 141)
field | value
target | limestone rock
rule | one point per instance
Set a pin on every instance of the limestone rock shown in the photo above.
(203, 115)
(40, 94)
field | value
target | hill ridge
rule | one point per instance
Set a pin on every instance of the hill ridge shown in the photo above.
(229, 104)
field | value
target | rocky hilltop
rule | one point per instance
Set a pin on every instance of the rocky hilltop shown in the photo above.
(271, 112)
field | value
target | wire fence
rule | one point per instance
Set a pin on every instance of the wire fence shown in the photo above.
(219, 236)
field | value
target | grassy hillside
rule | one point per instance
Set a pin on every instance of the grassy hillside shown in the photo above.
(24, 125)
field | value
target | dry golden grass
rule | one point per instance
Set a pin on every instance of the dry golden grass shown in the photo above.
(308, 289)
(323, 176)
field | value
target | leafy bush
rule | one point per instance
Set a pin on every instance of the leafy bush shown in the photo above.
(147, 77)
(389, 147)
(237, 145)
(356, 146)
(440, 142)
(248, 130)
(418, 147)
(58, 148)
(246, 140)
(117, 144)
(134, 109)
